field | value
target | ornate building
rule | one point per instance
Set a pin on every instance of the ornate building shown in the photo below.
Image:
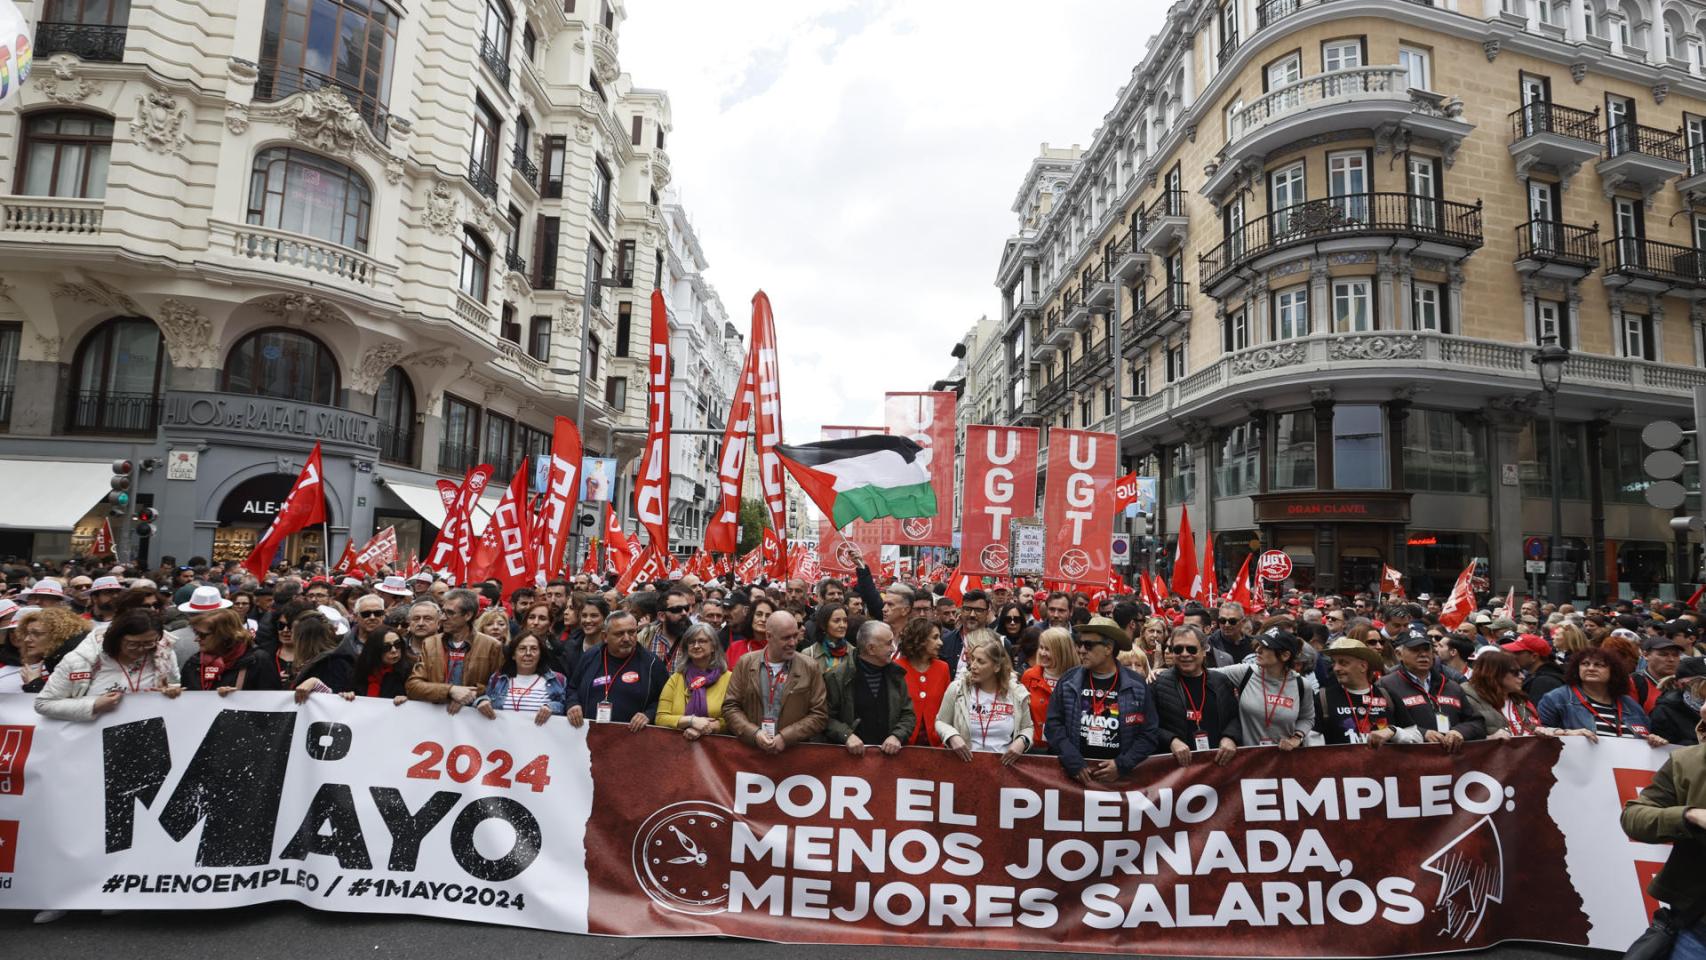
(413, 233)
(1305, 263)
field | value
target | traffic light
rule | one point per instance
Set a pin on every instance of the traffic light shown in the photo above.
(123, 473)
(146, 518)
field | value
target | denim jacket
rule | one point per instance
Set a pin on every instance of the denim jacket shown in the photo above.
(1140, 726)
(556, 691)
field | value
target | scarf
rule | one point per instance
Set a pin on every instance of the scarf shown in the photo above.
(213, 667)
(699, 684)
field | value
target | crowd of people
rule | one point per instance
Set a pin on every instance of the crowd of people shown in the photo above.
(1009, 670)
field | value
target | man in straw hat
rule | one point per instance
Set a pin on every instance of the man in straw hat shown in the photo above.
(1354, 711)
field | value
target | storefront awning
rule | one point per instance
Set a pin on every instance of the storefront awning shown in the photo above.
(51, 494)
(426, 502)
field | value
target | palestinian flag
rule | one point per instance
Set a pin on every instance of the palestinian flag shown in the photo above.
(863, 478)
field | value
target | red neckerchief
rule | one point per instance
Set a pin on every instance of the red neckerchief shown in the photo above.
(213, 667)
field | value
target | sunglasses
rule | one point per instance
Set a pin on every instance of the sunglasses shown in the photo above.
(370, 613)
(676, 610)
(393, 645)
(1086, 644)
(1182, 651)
(1228, 620)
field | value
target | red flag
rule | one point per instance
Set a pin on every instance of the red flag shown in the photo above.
(1117, 584)
(1080, 473)
(1461, 602)
(767, 396)
(505, 551)
(1694, 598)
(651, 487)
(414, 566)
(805, 566)
(451, 551)
(1185, 558)
(927, 419)
(346, 560)
(750, 566)
(591, 564)
(616, 547)
(775, 551)
(1000, 482)
(104, 544)
(562, 486)
(1391, 581)
(1241, 587)
(960, 582)
(376, 553)
(1510, 602)
(1125, 492)
(1210, 585)
(447, 492)
(649, 565)
(303, 508)
(722, 534)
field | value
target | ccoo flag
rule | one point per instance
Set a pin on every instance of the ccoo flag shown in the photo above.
(862, 478)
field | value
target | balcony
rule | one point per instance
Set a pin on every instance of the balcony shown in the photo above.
(86, 41)
(526, 168)
(1228, 47)
(474, 313)
(456, 459)
(496, 59)
(1693, 184)
(127, 414)
(315, 257)
(397, 444)
(601, 211)
(1270, 12)
(1075, 312)
(1555, 249)
(1096, 281)
(1128, 258)
(1165, 313)
(1092, 365)
(1641, 158)
(1362, 98)
(1444, 227)
(51, 218)
(277, 81)
(1560, 137)
(515, 262)
(1163, 222)
(480, 177)
(1055, 334)
(1050, 394)
(1648, 266)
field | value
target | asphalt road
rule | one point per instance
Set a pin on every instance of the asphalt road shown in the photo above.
(287, 931)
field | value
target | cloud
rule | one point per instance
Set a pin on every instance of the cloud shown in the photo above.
(857, 161)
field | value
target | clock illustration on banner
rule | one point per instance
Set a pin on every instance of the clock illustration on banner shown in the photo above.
(681, 857)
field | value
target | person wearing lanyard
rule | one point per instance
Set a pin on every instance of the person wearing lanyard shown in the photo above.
(984, 711)
(1353, 710)
(1055, 655)
(521, 685)
(1198, 707)
(1101, 719)
(455, 663)
(1595, 700)
(1274, 707)
(1495, 692)
(775, 698)
(692, 699)
(131, 656)
(618, 680)
(868, 702)
(1424, 706)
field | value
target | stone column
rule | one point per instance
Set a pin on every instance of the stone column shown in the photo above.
(1656, 308)
(1320, 304)
(1578, 20)
(1386, 305)
(1257, 306)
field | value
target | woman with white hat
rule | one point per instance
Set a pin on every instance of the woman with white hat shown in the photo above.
(227, 658)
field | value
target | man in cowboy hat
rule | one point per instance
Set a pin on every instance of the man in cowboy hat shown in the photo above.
(102, 592)
(1354, 710)
(1102, 721)
(46, 594)
(393, 590)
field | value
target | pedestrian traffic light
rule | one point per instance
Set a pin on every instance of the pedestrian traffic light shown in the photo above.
(123, 471)
(146, 518)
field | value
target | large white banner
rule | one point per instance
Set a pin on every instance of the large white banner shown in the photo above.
(359, 806)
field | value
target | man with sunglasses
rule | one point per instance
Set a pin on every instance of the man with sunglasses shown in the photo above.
(1230, 633)
(675, 616)
(369, 613)
(1101, 720)
(1198, 707)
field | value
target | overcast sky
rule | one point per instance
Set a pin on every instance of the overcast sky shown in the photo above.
(856, 159)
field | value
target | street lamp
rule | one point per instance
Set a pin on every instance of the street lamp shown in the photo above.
(1551, 359)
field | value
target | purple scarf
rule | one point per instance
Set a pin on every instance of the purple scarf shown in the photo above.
(699, 684)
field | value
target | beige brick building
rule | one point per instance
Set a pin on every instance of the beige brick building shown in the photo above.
(1304, 264)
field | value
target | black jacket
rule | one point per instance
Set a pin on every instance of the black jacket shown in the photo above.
(1336, 719)
(1235, 651)
(1220, 712)
(335, 669)
(1408, 706)
(392, 684)
(1546, 678)
(866, 587)
(255, 667)
(1673, 720)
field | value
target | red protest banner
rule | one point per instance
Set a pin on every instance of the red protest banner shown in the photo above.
(378, 552)
(561, 488)
(651, 486)
(1075, 509)
(722, 533)
(1000, 483)
(926, 419)
(768, 397)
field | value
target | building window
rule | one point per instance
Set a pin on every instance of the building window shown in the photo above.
(1107, 401)
(545, 253)
(1294, 451)
(1084, 413)
(476, 265)
(1182, 478)
(1353, 306)
(1442, 454)
(495, 36)
(394, 408)
(117, 372)
(592, 357)
(1235, 331)
(1427, 307)
(625, 263)
(1638, 340)
(1359, 447)
(65, 154)
(1418, 67)
(283, 364)
(459, 450)
(1140, 378)
(488, 130)
(1237, 461)
(1291, 313)
(10, 336)
(1341, 54)
(1286, 190)
(350, 44)
(509, 327)
(305, 193)
(594, 272)
(624, 327)
(1175, 362)
(529, 41)
(499, 448)
(1549, 321)
(556, 158)
(539, 338)
(1534, 460)
(600, 192)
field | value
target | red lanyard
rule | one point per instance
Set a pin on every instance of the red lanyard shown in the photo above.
(516, 701)
(610, 681)
(985, 718)
(1359, 710)
(141, 671)
(776, 681)
(1433, 700)
(1522, 723)
(1577, 691)
(1194, 713)
(1099, 702)
(1270, 705)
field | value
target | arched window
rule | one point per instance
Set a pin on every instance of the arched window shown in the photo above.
(284, 364)
(65, 155)
(116, 378)
(476, 265)
(394, 408)
(305, 193)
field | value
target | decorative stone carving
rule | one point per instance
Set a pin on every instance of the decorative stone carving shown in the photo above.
(370, 370)
(1268, 357)
(1290, 269)
(236, 117)
(188, 335)
(583, 133)
(394, 170)
(98, 293)
(300, 309)
(1491, 49)
(1660, 92)
(515, 285)
(325, 121)
(443, 212)
(60, 82)
(48, 347)
(241, 70)
(1347, 259)
(160, 122)
(1430, 264)
(569, 318)
(435, 359)
(1375, 348)
(1578, 72)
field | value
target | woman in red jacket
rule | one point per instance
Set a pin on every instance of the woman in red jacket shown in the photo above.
(926, 677)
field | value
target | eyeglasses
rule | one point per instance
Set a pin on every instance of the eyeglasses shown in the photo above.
(678, 611)
(1183, 651)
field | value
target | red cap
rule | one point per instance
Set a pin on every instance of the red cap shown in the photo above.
(1530, 643)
